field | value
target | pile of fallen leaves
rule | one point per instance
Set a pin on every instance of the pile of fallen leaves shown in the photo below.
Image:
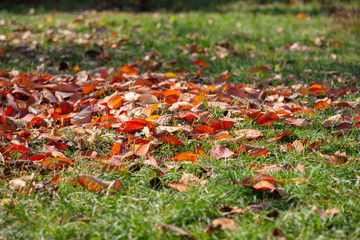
(140, 112)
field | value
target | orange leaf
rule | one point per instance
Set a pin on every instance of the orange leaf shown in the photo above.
(88, 89)
(316, 89)
(222, 78)
(322, 105)
(115, 149)
(91, 183)
(185, 156)
(129, 70)
(336, 43)
(115, 102)
(222, 136)
(302, 16)
(203, 129)
(56, 163)
(35, 121)
(171, 92)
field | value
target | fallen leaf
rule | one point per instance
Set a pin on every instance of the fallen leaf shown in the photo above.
(221, 223)
(302, 16)
(175, 229)
(179, 186)
(115, 102)
(219, 152)
(249, 134)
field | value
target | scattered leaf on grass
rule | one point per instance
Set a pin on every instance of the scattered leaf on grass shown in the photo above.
(179, 186)
(219, 152)
(95, 185)
(221, 223)
(249, 134)
(175, 229)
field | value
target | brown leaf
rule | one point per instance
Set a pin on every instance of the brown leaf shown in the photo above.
(190, 179)
(321, 213)
(219, 152)
(249, 134)
(175, 229)
(147, 98)
(179, 186)
(298, 146)
(142, 150)
(251, 181)
(221, 223)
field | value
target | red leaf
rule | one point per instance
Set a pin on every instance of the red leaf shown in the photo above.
(172, 140)
(59, 145)
(37, 158)
(267, 119)
(188, 116)
(18, 148)
(223, 125)
(25, 134)
(258, 153)
(130, 127)
(201, 63)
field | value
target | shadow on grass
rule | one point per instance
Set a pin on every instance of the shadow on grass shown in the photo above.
(270, 7)
(22, 6)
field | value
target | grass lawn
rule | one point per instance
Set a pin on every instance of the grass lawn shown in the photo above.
(267, 47)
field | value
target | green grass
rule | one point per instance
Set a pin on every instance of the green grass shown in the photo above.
(258, 33)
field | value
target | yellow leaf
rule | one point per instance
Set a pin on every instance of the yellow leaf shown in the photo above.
(153, 117)
(171, 75)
